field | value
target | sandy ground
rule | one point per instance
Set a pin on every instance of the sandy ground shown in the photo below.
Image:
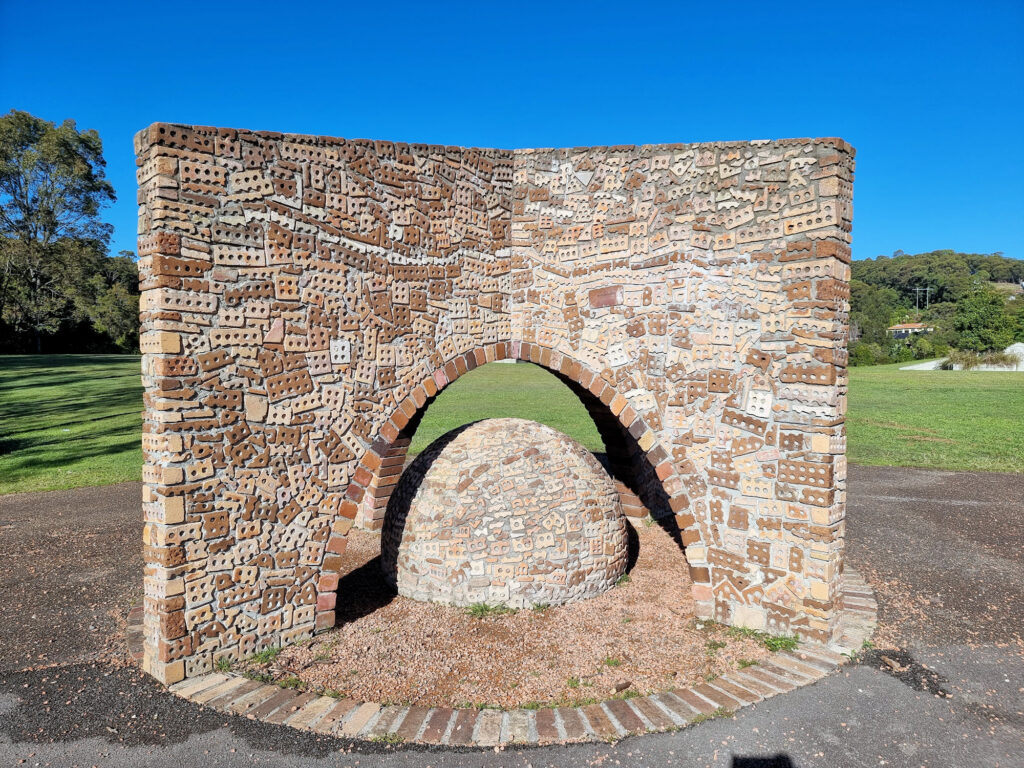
(639, 636)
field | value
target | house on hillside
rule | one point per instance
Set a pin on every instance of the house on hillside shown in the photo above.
(905, 330)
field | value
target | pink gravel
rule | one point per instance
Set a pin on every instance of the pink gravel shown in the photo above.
(641, 635)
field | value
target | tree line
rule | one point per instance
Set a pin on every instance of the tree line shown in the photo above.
(973, 302)
(61, 291)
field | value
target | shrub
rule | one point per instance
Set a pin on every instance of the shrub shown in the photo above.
(982, 322)
(860, 354)
(923, 348)
(968, 360)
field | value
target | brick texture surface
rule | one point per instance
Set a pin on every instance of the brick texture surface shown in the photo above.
(305, 298)
(504, 512)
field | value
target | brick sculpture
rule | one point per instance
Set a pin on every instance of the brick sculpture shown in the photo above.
(504, 512)
(305, 298)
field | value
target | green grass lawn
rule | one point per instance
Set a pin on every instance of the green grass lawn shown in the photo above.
(69, 421)
(968, 420)
(495, 391)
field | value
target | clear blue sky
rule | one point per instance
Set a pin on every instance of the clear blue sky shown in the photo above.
(930, 94)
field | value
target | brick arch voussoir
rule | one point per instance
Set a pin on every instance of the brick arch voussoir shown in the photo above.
(376, 456)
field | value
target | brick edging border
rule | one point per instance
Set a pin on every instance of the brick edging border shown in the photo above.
(606, 721)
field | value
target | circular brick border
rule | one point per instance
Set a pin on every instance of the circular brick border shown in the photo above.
(606, 721)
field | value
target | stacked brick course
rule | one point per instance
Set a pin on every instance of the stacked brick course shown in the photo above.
(305, 298)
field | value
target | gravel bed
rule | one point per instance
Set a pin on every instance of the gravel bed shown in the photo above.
(641, 636)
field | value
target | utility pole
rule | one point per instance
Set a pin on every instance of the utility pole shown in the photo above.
(927, 296)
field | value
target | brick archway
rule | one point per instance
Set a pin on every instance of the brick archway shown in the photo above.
(302, 296)
(381, 465)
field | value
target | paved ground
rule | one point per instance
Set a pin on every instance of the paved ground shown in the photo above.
(944, 550)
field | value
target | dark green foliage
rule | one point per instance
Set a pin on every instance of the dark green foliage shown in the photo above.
(59, 290)
(886, 291)
(950, 275)
(982, 322)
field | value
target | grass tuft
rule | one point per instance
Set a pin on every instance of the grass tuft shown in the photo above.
(771, 642)
(711, 646)
(483, 610)
(720, 712)
(266, 656)
(780, 643)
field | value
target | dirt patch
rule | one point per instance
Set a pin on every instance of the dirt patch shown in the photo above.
(639, 636)
(898, 663)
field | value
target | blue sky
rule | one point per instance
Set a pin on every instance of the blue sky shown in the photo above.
(930, 94)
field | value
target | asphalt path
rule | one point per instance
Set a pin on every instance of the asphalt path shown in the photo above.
(944, 685)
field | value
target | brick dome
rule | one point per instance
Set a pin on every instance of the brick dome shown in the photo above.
(505, 512)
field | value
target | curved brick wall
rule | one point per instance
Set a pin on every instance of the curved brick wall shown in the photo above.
(304, 298)
(505, 512)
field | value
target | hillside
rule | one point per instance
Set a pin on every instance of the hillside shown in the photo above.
(973, 301)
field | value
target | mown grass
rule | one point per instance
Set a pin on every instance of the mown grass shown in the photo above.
(961, 420)
(507, 390)
(68, 421)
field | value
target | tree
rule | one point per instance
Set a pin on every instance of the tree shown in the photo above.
(982, 322)
(109, 298)
(52, 187)
(871, 310)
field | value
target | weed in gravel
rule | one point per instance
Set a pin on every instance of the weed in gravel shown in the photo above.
(223, 664)
(260, 677)
(720, 712)
(541, 607)
(291, 682)
(780, 643)
(266, 656)
(627, 619)
(629, 693)
(573, 682)
(531, 705)
(387, 738)
(623, 579)
(712, 646)
(483, 610)
(771, 642)
(744, 663)
(332, 693)
(611, 661)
